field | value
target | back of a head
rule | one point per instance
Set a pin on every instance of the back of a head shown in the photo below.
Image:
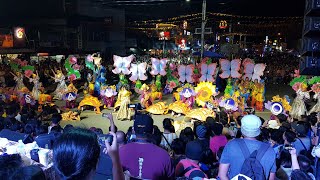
(28, 173)
(290, 136)
(194, 150)
(250, 126)
(143, 124)
(178, 146)
(167, 125)
(304, 163)
(56, 118)
(297, 174)
(9, 164)
(75, 154)
(217, 129)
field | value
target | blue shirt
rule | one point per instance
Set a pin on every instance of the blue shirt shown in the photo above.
(233, 155)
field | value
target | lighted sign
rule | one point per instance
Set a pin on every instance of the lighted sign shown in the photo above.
(223, 24)
(185, 24)
(164, 35)
(19, 33)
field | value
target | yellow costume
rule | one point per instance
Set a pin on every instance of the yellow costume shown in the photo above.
(122, 103)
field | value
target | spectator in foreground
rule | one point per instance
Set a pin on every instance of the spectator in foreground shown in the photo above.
(81, 146)
(232, 162)
(168, 134)
(28, 173)
(141, 158)
(218, 140)
(189, 167)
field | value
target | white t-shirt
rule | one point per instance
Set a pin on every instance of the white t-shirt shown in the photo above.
(170, 137)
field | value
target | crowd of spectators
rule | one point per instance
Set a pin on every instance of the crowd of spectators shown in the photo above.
(223, 147)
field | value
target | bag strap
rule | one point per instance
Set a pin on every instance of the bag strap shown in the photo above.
(187, 170)
(262, 151)
(303, 144)
(166, 141)
(243, 147)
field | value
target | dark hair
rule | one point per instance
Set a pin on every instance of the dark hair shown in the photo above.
(98, 131)
(156, 136)
(290, 136)
(178, 146)
(28, 173)
(29, 129)
(167, 124)
(285, 158)
(56, 118)
(17, 126)
(9, 164)
(304, 163)
(312, 120)
(264, 135)
(67, 128)
(239, 120)
(75, 154)
(276, 135)
(282, 118)
(297, 174)
(186, 135)
(43, 129)
(56, 129)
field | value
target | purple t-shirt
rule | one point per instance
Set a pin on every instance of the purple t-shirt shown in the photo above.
(146, 160)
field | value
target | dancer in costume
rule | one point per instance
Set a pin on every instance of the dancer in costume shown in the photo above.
(298, 105)
(61, 87)
(71, 96)
(108, 95)
(122, 103)
(260, 96)
(99, 76)
(145, 98)
(229, 89)
(36, 86)
(316, 89)
(18, 77)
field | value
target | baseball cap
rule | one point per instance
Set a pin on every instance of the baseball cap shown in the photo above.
(250, 125)
(201, 131)
(143, 123)
(194, 150)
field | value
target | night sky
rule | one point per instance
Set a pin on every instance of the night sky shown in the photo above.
(53, 8)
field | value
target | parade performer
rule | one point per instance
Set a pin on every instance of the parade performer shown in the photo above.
(298, 106)
(73, 73)
(124, 113)
(99, 75)
(188, 95)
(71, 96)
(108, 94)
(36, 86)
(122, 65)
(259, 98)
(316, 89)
(228, 92)
(145, 97)
(158, 70)
(138, 74)
(61, 87)
(18, 77)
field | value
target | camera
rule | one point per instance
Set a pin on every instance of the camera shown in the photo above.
(105, 115)
(132, 106)
(103, 137)
(232, 126)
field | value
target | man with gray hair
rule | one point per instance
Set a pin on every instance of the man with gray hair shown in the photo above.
(244, 157)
